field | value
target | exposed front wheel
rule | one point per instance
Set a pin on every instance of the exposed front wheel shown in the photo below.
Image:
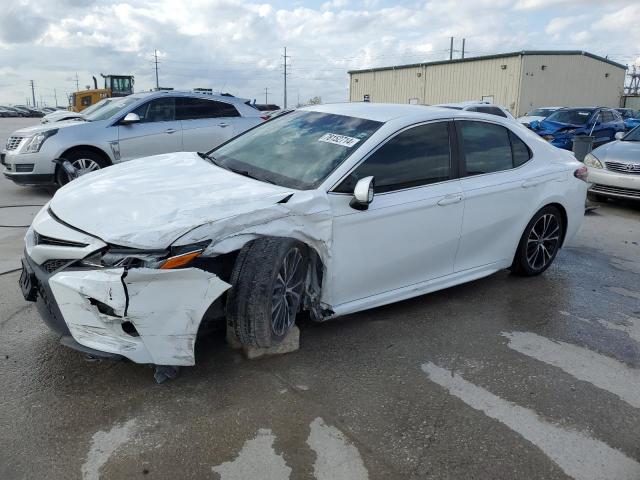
(267, 285)
(540, 243)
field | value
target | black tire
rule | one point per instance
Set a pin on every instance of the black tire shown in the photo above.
(539, 243)
(76, 157)
(596, 197)
(252, 308)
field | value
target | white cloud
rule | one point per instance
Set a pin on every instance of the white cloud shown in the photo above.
(236, 45)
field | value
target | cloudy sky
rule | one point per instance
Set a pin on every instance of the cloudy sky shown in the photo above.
(236, 46)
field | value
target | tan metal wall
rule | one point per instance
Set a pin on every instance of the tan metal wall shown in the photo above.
(569, 81)
(517, 83)
(444, 83)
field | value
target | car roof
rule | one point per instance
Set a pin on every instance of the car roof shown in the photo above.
(384, 112)
(183, 93)
(468, 103)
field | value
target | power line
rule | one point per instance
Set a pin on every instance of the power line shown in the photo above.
(285, 57)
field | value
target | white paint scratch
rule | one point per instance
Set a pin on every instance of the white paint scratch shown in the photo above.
(576, 453)
(256, 460)
(103, 445)
(336, 458)
(599, 370)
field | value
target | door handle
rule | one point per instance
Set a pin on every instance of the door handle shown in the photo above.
(530, 183)
(170, 130)
(223, 124)
(450, 199)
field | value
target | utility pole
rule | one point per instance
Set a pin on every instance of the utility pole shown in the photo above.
(463, 47)
(155, 54)
(451, 50)
(33, 94)
(266, 95)
(285, 56)
(77, 83)
(55, 96)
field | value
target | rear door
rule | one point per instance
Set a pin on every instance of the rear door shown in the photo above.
(206, 123)
(499, 185)
(157, 132)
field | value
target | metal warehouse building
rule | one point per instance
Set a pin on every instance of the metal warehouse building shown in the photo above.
(519, 81)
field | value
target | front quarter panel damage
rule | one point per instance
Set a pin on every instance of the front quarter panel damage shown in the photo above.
(165, 307)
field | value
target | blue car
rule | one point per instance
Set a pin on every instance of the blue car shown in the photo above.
(563, 125)
(631, 117)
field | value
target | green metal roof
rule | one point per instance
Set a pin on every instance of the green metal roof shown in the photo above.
(498, 55)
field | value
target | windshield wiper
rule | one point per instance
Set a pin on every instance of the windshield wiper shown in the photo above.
(244, 173)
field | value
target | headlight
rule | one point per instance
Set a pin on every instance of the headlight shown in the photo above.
(34, 143)
(175, 257)
(590, 160)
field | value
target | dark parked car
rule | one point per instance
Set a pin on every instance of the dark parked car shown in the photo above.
(563, 125)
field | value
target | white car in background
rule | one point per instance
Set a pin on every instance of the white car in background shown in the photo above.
(538, 114)
(480, 107)
(125, 128)
(63, 115)
(331, 209)
(614, 168)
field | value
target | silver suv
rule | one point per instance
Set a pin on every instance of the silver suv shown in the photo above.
(136, 126)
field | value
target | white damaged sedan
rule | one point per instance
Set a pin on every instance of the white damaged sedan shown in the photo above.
(330, 209)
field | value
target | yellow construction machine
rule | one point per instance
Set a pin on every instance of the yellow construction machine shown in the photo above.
(114, 86)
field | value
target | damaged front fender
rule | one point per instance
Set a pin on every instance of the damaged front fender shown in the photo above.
(164, 306)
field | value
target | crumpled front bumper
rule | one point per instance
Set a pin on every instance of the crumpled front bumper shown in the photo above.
(146, 315)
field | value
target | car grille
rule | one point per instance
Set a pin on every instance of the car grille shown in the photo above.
(44, 240)
(631, 168)
(24, 167)
(51, 266)
(615, 191)
(13, 142)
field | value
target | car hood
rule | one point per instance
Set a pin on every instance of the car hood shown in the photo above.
(54, 116)
(547, 126)
(530, 118)
(618, 151)
(28, 131)
(150, 202)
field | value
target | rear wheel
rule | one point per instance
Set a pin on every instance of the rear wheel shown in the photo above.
(267, 285)
(540, 243)
(85, 161)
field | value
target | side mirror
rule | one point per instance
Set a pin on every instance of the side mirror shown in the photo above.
(130, 118)
(619, 135)
(363, 193)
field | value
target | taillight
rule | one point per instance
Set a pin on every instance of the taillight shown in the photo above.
(581, 173)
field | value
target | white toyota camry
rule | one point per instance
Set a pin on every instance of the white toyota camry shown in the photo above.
(331, 209)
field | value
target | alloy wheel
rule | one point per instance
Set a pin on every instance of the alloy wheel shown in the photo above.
(85, 165)
(287, 292)
(543, 241)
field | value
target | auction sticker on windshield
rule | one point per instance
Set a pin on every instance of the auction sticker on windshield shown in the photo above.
(339, 139)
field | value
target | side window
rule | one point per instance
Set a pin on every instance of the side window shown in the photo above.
(158, 110)
(85, 101)
(194, 108)
(492, 111)
(486, 147)
(521, 153)
(417, 156)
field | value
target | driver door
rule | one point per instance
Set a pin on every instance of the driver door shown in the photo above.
(157, 132)
(410, 232)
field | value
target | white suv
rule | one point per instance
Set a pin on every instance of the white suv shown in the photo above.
(130, 127)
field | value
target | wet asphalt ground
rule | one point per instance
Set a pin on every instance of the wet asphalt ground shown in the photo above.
(501, 378)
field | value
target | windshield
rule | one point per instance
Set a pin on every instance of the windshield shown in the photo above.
(110, 109)
(632, 136)
(296, 150)
(574, 116)
(541, 112)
